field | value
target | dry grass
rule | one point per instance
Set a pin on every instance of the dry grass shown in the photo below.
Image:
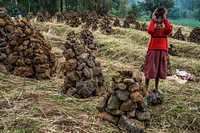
(28, 105)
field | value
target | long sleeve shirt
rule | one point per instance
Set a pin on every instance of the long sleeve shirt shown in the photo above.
(159, 37)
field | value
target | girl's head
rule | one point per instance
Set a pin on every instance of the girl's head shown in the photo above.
(159, 22)
(159, 17)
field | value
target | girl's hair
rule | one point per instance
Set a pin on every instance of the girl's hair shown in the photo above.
(160, 12)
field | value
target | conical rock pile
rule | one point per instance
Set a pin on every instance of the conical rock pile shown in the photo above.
(83, 73)
(74, 20)
(137, 26)
(131, 19)
(28, 53)
(195, 35)
(126, 24)
(105, 26)
(40, 17)
(144, 27)
(116, 23)
(172, 50)
(6, 30)
(124, 105)
(47, 16)
(29, 16)
(178, 35)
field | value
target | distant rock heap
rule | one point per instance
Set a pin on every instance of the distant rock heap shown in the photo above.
(40, 17)
(6, 30)
(59, 17)
(83, 73)
(195, 35)
(105, 26)
(28, 53)
(47, 16)
(131, 19)
(126, 24)
(172, 50)
(144, 27)
(29, 16)
(116, 23)
(137, 26)
(124, 105)
(178, 35)
(74, 19)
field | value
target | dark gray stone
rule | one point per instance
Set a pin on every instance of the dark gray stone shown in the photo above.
(131, 125)
(113, 102)
(123, 95)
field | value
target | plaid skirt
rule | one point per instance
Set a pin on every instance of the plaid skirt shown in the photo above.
(155, 65)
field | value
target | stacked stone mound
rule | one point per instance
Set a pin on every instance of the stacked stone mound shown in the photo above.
(66, 17)
(116, 23)
(59, 17)
(172, 50)
(95, 25)
(29, 16)
(40, 17)
(143, 27)
(6, 30)
(47, 16)
(126, 24)
(137, 26)
(178, 35)
(83, 73)
(88, 38)
(105, 26)
(89, 16)
(195, 35)
(74, 19)
(28, 53)
(124, 105)
(131, 19)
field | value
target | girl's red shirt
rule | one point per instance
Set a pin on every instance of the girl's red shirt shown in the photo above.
(159, 37)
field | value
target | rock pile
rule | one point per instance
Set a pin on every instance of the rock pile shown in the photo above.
(28, 53)
(105, 26)
(137, 26)
(40, 17)
(172, 50)
(6, 30)
(124, 105)
(178, 35)
(126, 24)
(74, 19)
(59, 17)
(83, 73)
(29, 16)
(131, 19)
(143, 27)
(116, 23)
(88, 39)
(195, 35)
(95, 25)
(47, 16)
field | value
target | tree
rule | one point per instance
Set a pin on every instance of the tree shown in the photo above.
(135, 10)
(151, 5)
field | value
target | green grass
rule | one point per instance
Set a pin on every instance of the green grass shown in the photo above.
(182, 22)
(186, 22)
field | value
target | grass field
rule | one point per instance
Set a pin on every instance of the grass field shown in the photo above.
(28, 105)
(186, 22)
(178, 22)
